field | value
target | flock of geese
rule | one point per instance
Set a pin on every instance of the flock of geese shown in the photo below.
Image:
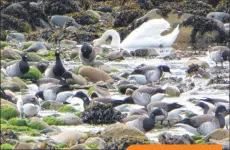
(54, 86)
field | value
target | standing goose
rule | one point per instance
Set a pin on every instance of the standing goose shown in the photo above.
(57, 70)
(142, 96)
(87, 55)
(18, 69)
(219, 54)
(146, 124)
(205, 124)
(28, 105)
(152, 73)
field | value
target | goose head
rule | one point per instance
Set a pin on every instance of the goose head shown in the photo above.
(86, 50)
(173, 106)
(164, 68)
(57, 53)
(40, 95)
(156, 112)
(202, 105)
(83, 96)
(24, 58)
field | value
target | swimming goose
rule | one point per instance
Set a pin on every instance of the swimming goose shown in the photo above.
(51, 92)
(57, 70)
(205, 124)
(28, 105)
(87, 55)
(145, 36)
(219, 54)
(142, 96)
(18, 69)
(152, 73)
(146, 124)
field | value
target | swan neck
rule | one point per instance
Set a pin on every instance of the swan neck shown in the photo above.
(115, 37)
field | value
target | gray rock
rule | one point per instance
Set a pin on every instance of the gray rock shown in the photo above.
(69, 136)
(167, 138)
(70, 119)
(60, 21)
(96, 140)
(221, 16)
(16, 36)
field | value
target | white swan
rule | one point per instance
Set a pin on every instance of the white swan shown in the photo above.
(146, 36)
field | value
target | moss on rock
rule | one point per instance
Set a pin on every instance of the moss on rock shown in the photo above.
(7, 146)
(3, 44)
(17, 122)
(20, 129)
(8, 112)
(66, 108)
(53, 121)
(36, 125)
(33, 73)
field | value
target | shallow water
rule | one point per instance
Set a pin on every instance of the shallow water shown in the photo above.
(178, 70)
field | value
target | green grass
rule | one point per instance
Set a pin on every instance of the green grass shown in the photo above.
(36, 125)
(20, 129)
(53, 121)
(33, 73)
(3, 121)
(17, 122)
(92, 145)
(8, 112)
(7, 146)
(66, 108)
(62, 145)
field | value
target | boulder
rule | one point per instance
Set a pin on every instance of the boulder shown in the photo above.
(70, 119)
(94, 74)
(118, 131)
(69, 136)
(167, 138)
(101, 144)
(10, 54)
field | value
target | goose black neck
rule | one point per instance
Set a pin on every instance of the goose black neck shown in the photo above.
(221, 119)
(149, 123)
(24, 66)
(205, 110)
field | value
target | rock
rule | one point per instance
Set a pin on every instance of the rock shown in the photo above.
(221, 16)
(10, 54)
(8, 22)
(119, 131)
(196, 8)
(51, 105)
(79, 147)
(19, 81)
(104, 9)
(62, 21)
(61, 7)
(225, 143)
(196, 61)
(11, 86)
(69, 136)
(123, 87)
(35, 47)
(34, 57)
(171, 90)
(94, 74)
(16, 36)
(117, 55)
(8, 103)
(71, 119)
(40, 121)
(125, 17)
(218, 134)
(99, 113)
(8, 112)
(167, 138)
(101, 144)
(86, 18)
(33, 74)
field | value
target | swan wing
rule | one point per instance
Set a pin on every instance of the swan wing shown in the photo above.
(151, 28)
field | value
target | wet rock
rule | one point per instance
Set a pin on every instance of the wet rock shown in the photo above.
(35, 47)
(11, 86)
(144, 52)
(52, 105)
(167, 138)
(197, 61)
(79, 147)
(16, 36)
(86, 18)
(69, 136)
(70, 119)
(196, 7)
(203, 25)
(36, 120)
(19, 81)
(119, 131)
(104, 9)
(218, 134)
(221, 16)
(124, 18)
(61, 21)
(61, 7)
(94, 74)
(117, 55)
(122, 88)
(101, 144)
(10, 54)
(125, 142)
(7, 135)
(99, 113)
